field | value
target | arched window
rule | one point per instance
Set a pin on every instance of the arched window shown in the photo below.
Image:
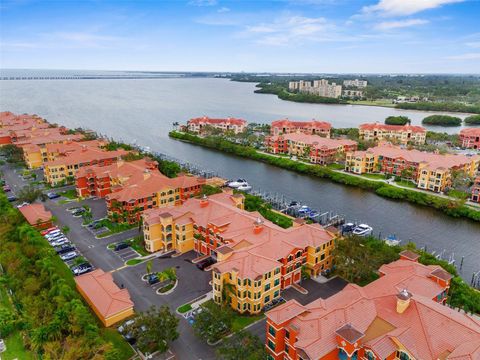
(403, 355)
(342, 355)
(369, 355)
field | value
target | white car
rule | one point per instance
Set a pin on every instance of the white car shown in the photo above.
(22, 205)
(52, 234)
(55, 238)
(59, 242)
(69, 256)
(3, 346)
(244, 187)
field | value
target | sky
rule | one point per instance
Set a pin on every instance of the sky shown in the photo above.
(321, 36)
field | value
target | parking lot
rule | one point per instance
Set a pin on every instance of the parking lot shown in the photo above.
(126, 254)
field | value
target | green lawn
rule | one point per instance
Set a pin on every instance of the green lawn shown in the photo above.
(379, 102)
(184, 308)
(374, 176)
(137, 244)
(406, 183)
(336, 166)
(242, 321)
(114, 228)
(133, 262)
(119, 343)
(15, 348)
(458, 194)
(69, 194)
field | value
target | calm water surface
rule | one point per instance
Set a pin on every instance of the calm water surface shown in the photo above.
(143, 111)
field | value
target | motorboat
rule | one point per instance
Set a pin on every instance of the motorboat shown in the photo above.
(362, 230)
(244, 187)
(235, 184)
(304, 210)
(391, 240)
(348, 228)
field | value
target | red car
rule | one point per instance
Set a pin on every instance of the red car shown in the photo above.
(45, 232)
(6, 188)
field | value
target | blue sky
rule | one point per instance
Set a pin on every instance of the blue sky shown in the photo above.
(342, 36)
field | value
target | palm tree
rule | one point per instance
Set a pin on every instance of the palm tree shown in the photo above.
(227, 290)
(149, 267)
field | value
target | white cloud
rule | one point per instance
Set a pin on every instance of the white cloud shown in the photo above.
(390, 25)
(289, 29)
(203, 2)
(467, 56)
(475, 44)
(223, 9)
(404, 7)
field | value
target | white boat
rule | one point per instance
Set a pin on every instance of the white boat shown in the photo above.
(244, 187)
(235, 184)
(362, 230)
(391, 240)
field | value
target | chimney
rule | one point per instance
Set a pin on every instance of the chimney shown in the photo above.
(403, 301)
(84, 148)
(146, 174)
(258, 226)
(204, 201)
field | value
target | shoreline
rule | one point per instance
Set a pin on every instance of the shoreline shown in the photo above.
(450, 207)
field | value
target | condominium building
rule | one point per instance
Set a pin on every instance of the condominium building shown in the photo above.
(256, 259)
(399, 316)
(64, 168)
(355, 83)
(476, 190)
(282, 127)
(470, 138)
(317, 149)
(229, 124)
(402, 134)
(430, 171)
(352, 93)
(316, 87)
(150, 190)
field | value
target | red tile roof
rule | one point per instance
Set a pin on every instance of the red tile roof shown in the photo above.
(315, 141)
(426, 328)
(86, 155)
(378, 126)
(470, 132)
(34, 213)
(320, 125)
(103, 293)
(207, 120)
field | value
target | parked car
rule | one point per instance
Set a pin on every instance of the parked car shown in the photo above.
(153, 279)
(74, 208)
(56, 238)
(69, 256)
(49, 230)
(53, 235)
(121, 246)
(11, 198)
(63, 249)
(52, 195)
(78, 212)
(202, 265)
(60, 242)
(6, 188)
(22, 204)
(121, 328)
(3, 346)
(82, 268)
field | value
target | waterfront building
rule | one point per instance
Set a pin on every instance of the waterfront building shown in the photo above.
(398, 316)
(150, 190)
(314, 127)
(229, 124)
(316, 87)
(403, 134)
(256, 259)
(317, 149)
(64, 168)
(37, 216)
(429, 171)
(352, 93)
(476, 190)
(470, 138)
(355, 83)
(110, 303)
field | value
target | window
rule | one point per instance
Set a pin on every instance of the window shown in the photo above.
(272, 331)
(287, 349)
(287, 334)
(267, 287)
(369, 355)
(271, 345)
(267, 300)
(402, 356)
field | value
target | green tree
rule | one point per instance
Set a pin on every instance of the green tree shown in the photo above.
(213, 322)
(397, 120)
(242, 346)
(149, 267)
(472, 120)
(65, 229)
(154, 329)
(12, 153)
(443, 120)
(29, 194)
